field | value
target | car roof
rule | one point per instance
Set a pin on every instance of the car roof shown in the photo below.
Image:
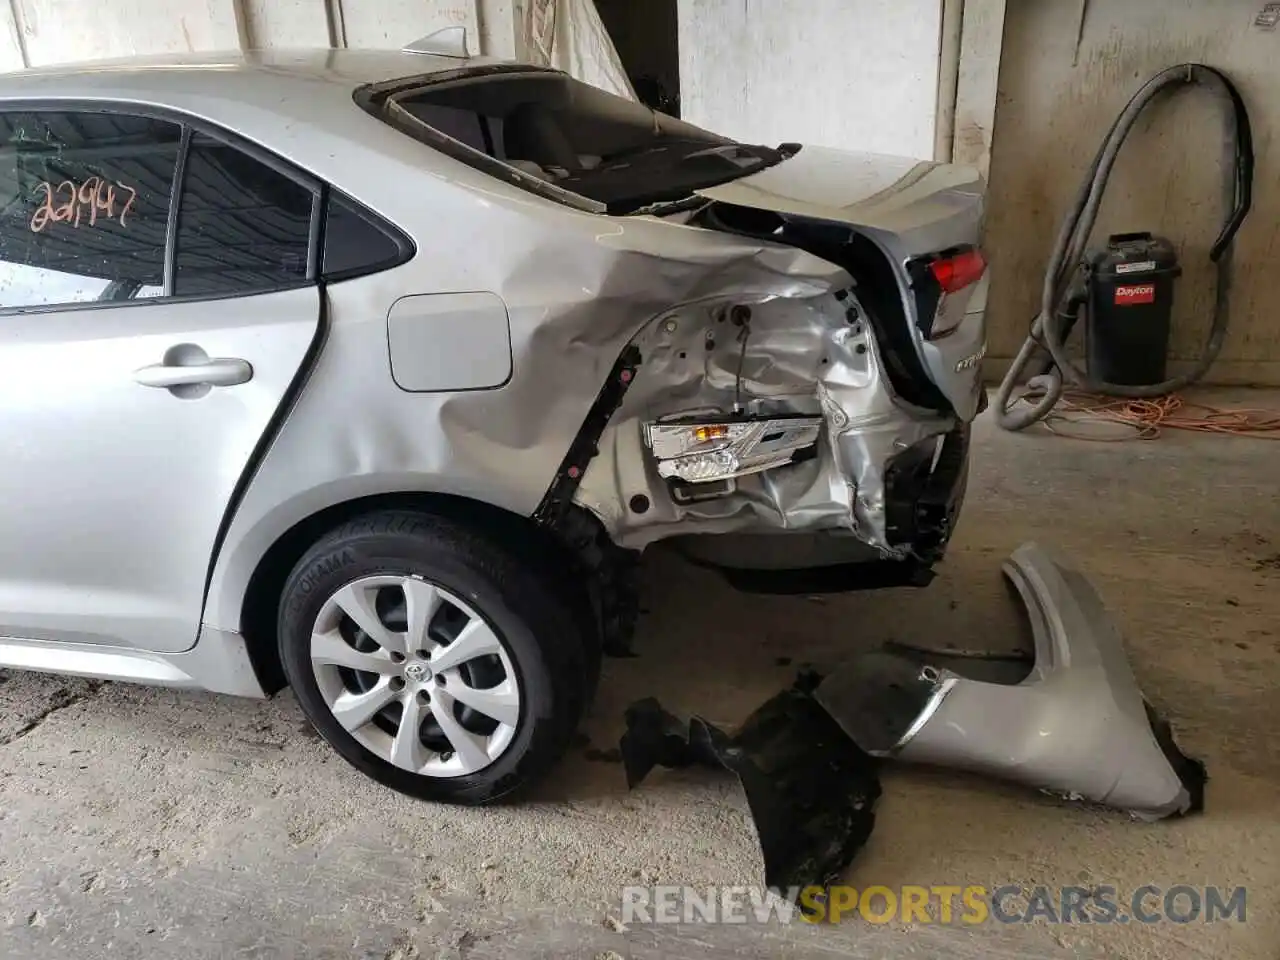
(210, 72)
(299, 104)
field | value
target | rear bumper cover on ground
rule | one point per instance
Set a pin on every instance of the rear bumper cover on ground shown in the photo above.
(1075, 725)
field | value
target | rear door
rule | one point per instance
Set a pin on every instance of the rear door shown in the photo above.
(157, 300)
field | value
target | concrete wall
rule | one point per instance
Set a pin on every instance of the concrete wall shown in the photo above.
(283, 23)
(846, 73)
(1055, 104)
(56, 31)
(977, 80)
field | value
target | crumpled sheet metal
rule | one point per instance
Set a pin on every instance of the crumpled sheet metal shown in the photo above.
(811, 791)
(811, 355)
(574, 312)
(1076, 725)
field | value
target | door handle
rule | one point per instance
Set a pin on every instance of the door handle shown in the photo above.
(223, 372)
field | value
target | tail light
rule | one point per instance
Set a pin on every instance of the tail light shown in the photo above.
(955, 273)
(942, 285)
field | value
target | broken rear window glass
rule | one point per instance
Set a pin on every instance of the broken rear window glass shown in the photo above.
(543, 128)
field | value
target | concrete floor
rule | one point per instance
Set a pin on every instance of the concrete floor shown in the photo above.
(150, 823)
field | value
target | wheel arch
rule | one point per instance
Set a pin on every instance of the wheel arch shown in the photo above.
(260, 604)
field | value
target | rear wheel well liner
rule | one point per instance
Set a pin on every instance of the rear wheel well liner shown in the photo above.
(259, 607)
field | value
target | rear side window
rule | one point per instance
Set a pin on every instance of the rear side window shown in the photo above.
(84, 202)
(97, 207)
(243, 226)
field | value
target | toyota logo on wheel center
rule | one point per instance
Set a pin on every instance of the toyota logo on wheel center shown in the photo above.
(417, 671)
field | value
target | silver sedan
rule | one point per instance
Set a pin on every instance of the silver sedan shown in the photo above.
(373, 373)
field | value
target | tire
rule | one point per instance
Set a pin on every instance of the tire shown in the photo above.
(384, 566)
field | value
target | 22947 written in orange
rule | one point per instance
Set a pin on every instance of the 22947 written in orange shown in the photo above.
(73, 203)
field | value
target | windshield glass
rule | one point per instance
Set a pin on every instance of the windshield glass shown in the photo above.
(580, 140)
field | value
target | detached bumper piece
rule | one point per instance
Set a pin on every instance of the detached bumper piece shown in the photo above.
(1072, 723)
(811, 791)
(1076, 725)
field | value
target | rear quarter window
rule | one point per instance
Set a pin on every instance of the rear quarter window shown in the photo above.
(357, 241)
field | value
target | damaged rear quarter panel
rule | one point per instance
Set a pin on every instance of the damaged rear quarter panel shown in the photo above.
(578, 288)
(907, 208)
(811, 353)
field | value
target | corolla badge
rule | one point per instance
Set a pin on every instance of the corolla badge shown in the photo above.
(972, 360)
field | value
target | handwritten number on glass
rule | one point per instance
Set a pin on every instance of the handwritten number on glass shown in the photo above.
(73, 203)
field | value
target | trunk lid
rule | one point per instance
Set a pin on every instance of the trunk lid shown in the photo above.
(919, 205)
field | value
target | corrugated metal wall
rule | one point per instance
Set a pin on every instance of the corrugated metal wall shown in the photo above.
(1056, 103)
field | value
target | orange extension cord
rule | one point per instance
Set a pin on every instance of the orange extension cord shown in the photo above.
(1146, 419)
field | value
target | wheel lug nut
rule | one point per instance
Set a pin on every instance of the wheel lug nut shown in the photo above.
(424, 697)
(397, 658)
(423, 655)
(397, 684)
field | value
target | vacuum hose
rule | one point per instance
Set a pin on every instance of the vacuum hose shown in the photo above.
(1061, 298)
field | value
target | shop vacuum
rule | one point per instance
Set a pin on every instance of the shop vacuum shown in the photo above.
(1125, 291)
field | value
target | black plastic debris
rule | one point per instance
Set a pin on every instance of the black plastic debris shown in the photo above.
(656, 738)
(811, 790)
